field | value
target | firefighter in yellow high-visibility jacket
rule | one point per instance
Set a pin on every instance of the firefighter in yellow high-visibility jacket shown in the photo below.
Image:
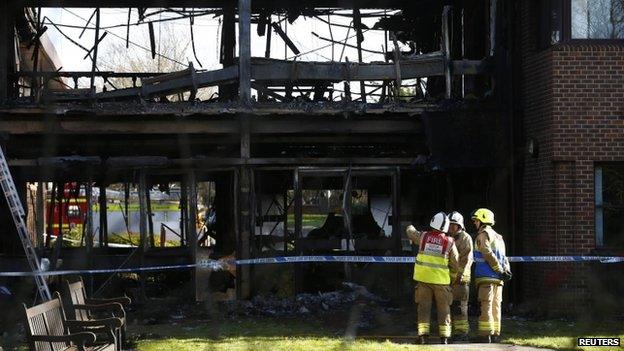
(491, 270)
(435, 268)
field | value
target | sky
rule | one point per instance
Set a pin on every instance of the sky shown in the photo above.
(207, 31)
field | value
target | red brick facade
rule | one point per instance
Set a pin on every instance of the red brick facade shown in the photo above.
(572, 107)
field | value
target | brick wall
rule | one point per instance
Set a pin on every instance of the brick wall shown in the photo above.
(572, 106)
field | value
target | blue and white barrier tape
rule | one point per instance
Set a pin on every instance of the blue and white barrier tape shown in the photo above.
(221, 265)
(394, 259)
(97, 271)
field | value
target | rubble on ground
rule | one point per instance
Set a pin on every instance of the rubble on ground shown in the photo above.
(303, 304)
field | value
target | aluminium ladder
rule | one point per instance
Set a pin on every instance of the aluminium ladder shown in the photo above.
(18, 214)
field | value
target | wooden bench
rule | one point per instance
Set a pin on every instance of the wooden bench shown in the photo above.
(83, 308)
(49, 330)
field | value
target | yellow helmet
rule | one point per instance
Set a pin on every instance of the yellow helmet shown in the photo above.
(484, 215)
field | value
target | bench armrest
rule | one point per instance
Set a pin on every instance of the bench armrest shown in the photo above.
(79, 339)
(115, 307)
(123, 300)
(111, 323)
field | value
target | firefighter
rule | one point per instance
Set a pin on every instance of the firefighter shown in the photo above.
(461, 284)
(491, 270)
(435, 268)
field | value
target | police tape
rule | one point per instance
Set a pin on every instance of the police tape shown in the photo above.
(98, 271)
(223, 264)
(397, 259)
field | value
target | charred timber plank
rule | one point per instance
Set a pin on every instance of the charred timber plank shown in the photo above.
(165, 77)
(156, 162)
(92, 126)
(179, 83)
(244, 51)
(204, 79)
(264, 90)
(285, 38)
(336, 71)
(259, 161)
(209, 3)
(119, 94)
(466, 67)
(137, 162)
(319, 126)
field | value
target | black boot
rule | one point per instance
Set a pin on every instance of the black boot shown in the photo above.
(495, 339)
(422, 339)
(444, 340)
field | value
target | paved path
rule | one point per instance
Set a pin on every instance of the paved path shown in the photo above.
(488, 347)
(433, 342)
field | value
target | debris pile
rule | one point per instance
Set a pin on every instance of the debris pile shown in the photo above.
(303, 304)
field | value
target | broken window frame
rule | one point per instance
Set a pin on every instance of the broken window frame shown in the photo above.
(604, 238)
(348, 173)
(550, 22)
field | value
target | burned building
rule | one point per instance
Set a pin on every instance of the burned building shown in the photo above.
(296, 155)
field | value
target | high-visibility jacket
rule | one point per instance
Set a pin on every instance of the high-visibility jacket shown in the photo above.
(490, 256)
(436, 262)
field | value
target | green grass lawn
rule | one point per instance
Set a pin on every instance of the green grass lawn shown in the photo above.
(558, 334)
(309, 220)
(277, 344)
(297, 334)
(261, 334)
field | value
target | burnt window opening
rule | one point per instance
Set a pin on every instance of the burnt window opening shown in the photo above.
(609, 196)
(550, 24)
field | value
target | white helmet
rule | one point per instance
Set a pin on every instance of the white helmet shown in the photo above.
(457, 218)
(440, 222)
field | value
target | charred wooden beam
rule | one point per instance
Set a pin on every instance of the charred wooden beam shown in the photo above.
(357, 24)
(228, 47)
(103, 226)
(150, 27)
(92, 126)
(446, 45)
(244, 51)
(128, 28)
(155, 162)
(176, 82)
(345, 44)
(96, 44)
(142, 162)
(263, 69)
(95, 47)
(285, 38)
(423, 66)
(59, 95)
(267, 50)
(206, 3)
(267, 92)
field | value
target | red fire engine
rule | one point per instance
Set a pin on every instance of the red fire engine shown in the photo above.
(67, 210)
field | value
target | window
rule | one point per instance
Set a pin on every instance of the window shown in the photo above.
(597, 19)
(550, 24)
(609, 197)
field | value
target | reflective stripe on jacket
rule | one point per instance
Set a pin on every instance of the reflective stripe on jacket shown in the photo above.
(432, 261)
(491, 244)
